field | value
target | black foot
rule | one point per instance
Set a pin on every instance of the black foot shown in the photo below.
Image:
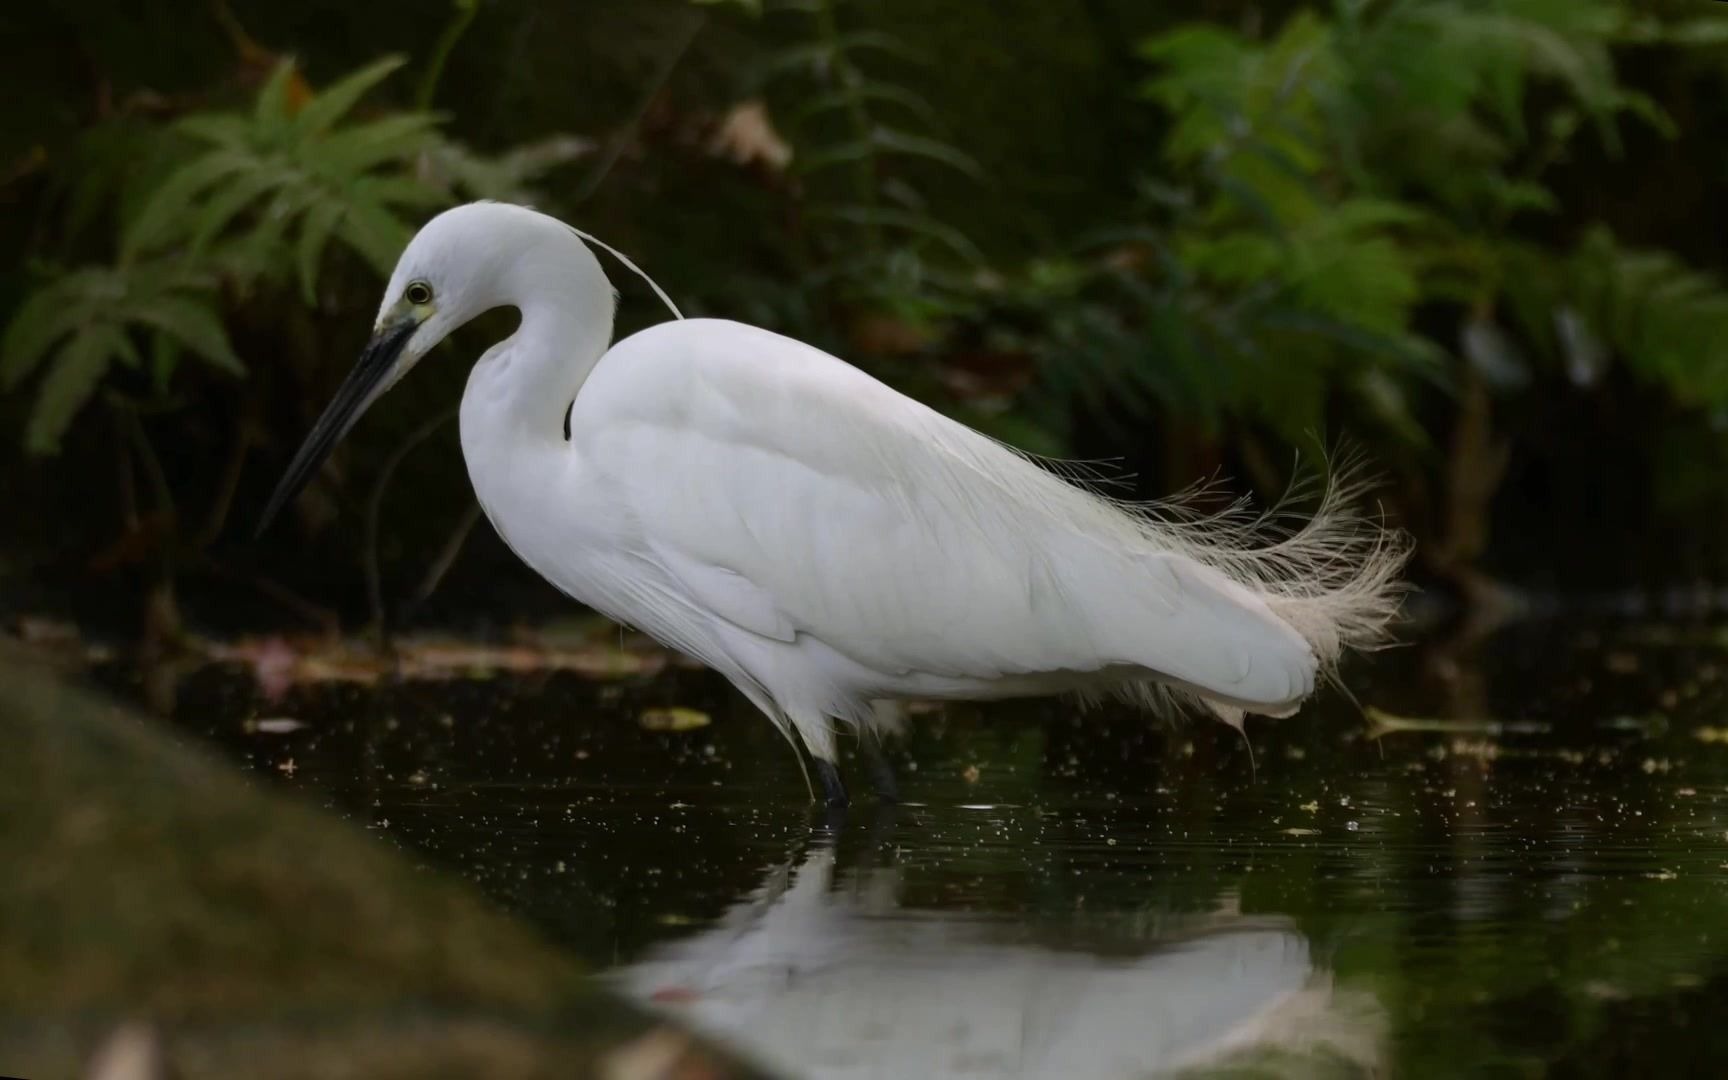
(881, 771)
(833, 791)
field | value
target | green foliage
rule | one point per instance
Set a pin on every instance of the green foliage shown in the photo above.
(1125, 342)
(753, 7)
(1260, 282)
(1332, 215)
(1665, 320)
(282, 176)
(507, 177)
(85, 321)
(260, 194)
(859, 139)
(1325, 184)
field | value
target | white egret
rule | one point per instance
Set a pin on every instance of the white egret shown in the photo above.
(823, 541)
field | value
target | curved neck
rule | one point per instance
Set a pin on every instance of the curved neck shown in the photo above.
(567, 306)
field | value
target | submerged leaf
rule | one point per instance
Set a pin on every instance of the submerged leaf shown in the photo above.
(1381, 724)
(673, 719)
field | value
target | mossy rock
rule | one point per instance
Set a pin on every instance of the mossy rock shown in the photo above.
(227, 931)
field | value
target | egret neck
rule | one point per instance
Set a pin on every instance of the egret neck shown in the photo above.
(518, 394)
(527, 381)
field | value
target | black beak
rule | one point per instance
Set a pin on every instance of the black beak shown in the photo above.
(356, 392)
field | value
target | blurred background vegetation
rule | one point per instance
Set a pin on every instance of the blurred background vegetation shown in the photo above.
(1480, 240)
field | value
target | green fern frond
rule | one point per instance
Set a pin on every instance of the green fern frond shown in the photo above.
(1668, 321)
(278, 187)
(335, 101)
(512, 176)
(1665, 321)
(79, 324)
(883, 243)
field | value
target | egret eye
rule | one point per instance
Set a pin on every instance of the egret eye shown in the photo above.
(418, 292)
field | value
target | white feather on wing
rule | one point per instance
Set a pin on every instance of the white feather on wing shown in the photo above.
(791, 494)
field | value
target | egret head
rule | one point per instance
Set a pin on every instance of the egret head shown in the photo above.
(459, 265)
(463, 263)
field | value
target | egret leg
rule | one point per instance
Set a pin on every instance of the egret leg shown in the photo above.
(881, 770)
(833, 791)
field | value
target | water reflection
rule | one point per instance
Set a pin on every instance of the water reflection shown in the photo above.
(825, 973)
(1526, 874)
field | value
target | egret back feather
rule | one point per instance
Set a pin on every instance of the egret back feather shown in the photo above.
(1332, 573)
(869, 547)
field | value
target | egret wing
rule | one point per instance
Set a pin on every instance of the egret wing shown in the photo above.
(792, 494)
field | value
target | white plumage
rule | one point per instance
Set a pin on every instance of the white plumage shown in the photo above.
(824, 541)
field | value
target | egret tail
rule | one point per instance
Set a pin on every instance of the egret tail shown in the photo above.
(1332, 574)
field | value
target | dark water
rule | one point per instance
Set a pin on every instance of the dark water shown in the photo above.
(1540, 889)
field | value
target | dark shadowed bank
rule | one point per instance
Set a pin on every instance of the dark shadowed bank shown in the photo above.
(159, 904)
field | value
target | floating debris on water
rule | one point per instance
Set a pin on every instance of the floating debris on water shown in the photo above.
(676, 718)
(1649, 725)
(275, 725)
(1382, 723)
(278, 663)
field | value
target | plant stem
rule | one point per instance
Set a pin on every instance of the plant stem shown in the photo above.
(229, 484)
(453, 31)
(152, 464)
(128, 479)
(163, 629)
(281, 594)
(626, 134)
(446, 556)
(858, 114)
(374, 510)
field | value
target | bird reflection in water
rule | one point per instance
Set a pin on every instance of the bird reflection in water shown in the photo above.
(823, 973)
